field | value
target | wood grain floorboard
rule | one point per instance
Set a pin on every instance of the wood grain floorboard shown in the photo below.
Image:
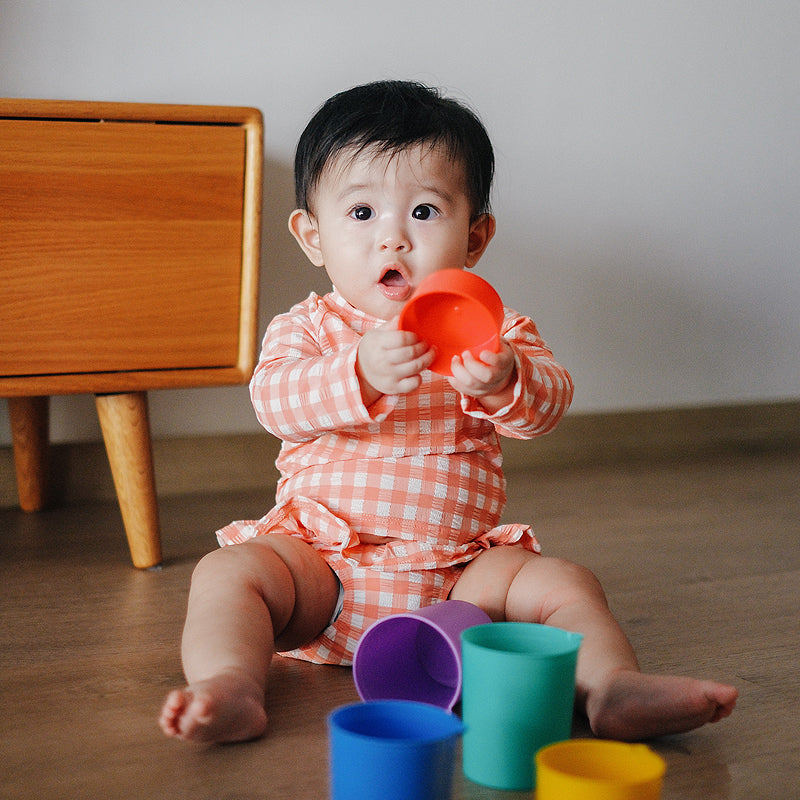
(701, 562)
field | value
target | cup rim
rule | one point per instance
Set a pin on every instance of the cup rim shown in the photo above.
(650, 765)
(455, 727)
(558, 642)
(449, 286)
(363, 686)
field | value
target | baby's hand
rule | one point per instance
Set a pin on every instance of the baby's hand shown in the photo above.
(489, 379)
(390, 361)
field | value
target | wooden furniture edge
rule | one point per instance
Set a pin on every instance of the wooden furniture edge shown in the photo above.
(251, 243)
(27, 108)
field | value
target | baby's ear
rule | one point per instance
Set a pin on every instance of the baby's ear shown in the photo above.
(480, 234)
(303, 227)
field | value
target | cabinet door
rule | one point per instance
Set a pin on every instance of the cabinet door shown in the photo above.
(120, 246)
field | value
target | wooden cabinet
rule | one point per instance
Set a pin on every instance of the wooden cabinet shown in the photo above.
(129, 254)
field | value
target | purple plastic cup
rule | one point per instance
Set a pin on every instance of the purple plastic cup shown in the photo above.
(416, 655)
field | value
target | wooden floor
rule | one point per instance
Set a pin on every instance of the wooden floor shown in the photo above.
(701, 562)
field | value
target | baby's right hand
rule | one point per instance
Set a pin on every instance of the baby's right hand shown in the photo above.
(390, 361)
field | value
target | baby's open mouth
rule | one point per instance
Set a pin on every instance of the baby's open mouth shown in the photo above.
(395, 285)
(393, 278)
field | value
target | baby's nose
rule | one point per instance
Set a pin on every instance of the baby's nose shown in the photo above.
(394, 239)
(394, 244)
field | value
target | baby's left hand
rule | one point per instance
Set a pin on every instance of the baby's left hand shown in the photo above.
(488, 378)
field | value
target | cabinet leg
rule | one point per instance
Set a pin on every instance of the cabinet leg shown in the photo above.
(126, 432)
(30, 431)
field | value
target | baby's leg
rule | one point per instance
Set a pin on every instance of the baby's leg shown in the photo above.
(244, 599)
(620, 702)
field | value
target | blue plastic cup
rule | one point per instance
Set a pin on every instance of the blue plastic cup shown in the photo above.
(392, 750)
(518, 696)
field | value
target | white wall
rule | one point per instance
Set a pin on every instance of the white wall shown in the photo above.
(648, 183)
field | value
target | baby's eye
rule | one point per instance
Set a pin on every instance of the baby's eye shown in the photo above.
(424, 212)
(361, 213)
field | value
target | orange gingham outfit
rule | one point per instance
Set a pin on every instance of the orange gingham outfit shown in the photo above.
(423, 468)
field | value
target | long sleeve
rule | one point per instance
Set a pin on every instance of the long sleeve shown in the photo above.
(305, 384)
(543, 389)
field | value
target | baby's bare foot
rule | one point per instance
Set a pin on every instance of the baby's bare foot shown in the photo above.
(634, 706)
(226, 708)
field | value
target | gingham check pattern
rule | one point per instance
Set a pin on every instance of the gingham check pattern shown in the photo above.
(424, 468)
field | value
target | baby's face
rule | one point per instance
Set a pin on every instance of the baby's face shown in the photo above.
(385, 222)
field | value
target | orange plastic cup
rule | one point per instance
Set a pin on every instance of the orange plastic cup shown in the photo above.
(454, 310)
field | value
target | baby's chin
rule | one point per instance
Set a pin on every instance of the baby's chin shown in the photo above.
(379, 306)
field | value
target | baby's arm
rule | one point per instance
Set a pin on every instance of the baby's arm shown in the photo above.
(489, 379)
(303, 387)
(538, 392)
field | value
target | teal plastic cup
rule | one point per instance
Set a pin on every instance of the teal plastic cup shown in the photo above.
(392, 750)
(517, 697)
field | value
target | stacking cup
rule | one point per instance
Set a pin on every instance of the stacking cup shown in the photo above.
(392, 750)
(594, 769)
(518, 696)
(454, 310)
(416, 655)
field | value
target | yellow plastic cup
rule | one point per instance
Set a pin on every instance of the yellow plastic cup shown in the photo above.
(595, 769)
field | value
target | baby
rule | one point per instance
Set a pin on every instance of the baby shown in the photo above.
(391, 488)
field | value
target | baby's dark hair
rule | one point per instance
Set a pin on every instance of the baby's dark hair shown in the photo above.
(391, 116)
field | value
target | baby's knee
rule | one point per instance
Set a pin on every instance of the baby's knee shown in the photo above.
(571, 579)
(575, 573)
(241, 563)
(212, 569)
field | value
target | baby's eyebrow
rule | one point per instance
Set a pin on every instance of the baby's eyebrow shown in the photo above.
(439, 192)
(353, 188)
